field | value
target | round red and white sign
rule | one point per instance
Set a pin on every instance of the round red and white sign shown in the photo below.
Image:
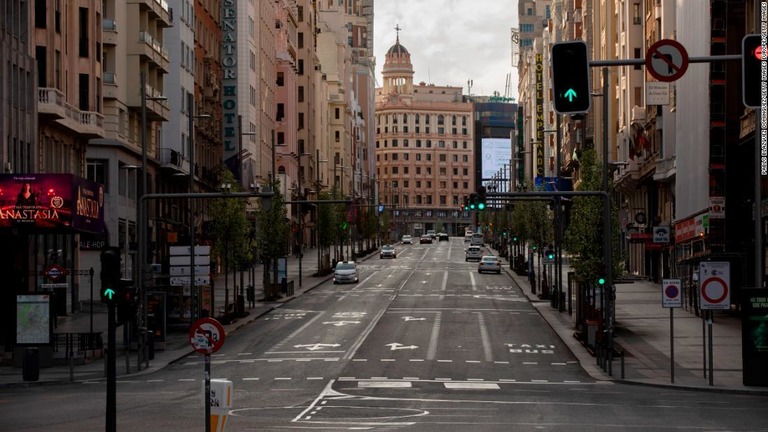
(714, 290)
(206, 335)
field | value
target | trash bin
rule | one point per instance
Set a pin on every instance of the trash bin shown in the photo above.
(31, 369)
(151, 345)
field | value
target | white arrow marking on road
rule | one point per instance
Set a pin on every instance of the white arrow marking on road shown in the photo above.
(410, 318)
(341, 323)
(396, 346)
(317, 346)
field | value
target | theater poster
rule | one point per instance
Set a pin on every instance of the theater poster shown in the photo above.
(39, 203)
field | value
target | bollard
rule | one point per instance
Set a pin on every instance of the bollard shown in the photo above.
(221, 403)
(31, 370)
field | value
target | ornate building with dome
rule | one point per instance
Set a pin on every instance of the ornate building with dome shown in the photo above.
(424, 150)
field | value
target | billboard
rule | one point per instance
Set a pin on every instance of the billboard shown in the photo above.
(496, 153)
(40, 203)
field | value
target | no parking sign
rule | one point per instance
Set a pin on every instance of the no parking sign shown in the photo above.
(671, 294)
(714, 285)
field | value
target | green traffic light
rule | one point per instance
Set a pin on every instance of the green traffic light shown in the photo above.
(109, 293)
(570, 94)
(601, 281)
(480, 206)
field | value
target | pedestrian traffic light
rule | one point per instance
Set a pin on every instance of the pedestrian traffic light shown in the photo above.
(110, 274)
(126, 301)
(481, 198)
(570, 77)
(473, 201)
(751, 58)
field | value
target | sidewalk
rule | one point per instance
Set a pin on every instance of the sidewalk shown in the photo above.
(642, 331)
(177, 343)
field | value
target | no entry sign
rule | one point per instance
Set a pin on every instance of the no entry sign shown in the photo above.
(714, 285)
(671, 294)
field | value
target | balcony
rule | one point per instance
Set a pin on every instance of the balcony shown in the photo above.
(157, 104)
(665, 169)
(52, 105)
(152, 50)
(173, 162)
(109, 32)
(158, 9)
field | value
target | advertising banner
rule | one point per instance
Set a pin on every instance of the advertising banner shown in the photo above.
(51, 202)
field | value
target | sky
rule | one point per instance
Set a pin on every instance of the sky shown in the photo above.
(451, 41)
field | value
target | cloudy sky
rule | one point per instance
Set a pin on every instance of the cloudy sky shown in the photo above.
(451, 41)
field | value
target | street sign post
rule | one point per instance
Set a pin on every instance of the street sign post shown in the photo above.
(671, 297)
(714, 285)
(207, 336)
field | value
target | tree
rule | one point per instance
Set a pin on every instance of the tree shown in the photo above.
(327, 221)
(273, 235)
(230, 229)
(582, 239)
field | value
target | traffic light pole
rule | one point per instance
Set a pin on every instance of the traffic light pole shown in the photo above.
(111, 417)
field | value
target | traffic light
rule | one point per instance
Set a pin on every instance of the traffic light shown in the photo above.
(601, 280)
(110, 274)
(514, 238)
(473, 201)
(751, 59)
(550, 253)
(126, 301)
(481, 198)
(570, 77)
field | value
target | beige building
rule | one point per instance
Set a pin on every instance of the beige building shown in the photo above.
(424, 150)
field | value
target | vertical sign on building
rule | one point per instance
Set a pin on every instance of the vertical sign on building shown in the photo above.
(539, 142)
(229, 79)
(520, 147)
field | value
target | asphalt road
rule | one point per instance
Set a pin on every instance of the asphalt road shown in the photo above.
(423, 343)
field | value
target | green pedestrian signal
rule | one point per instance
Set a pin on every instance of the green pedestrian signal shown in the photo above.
(570, 77)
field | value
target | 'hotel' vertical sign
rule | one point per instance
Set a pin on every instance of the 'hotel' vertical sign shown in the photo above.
(229, 80)
(539, 142)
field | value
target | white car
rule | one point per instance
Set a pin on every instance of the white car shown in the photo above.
(345, 271)
(489, 263)
(407, 239)
(473, 253)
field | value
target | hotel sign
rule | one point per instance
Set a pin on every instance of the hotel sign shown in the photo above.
(539, 142)
(40, 203)
(229, 80)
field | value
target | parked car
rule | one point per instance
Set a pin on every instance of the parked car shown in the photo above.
(426, 238)
(407, 239)
(345, 271)
(473, 253)
(443, 237)
(387, 251)
(489, 263)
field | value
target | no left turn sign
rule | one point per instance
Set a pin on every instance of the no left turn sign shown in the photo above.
(666, 60)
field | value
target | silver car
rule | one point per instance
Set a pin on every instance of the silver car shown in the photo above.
(473, 253)
(387, 251)
(489, 263)
(407, 239)
(345, 271)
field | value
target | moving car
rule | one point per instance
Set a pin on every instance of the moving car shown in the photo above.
(387, 251)
(477, 240)
(345, 271)
(431, 233)
(473, 253)
(407, 239)
(489, 263)
(426, 238)
(443, 237)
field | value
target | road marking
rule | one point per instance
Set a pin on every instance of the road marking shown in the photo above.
(472, 278)
(398, 346)
(444, 285)
(384, 384)
(433, 338)
(310, 378)
(501, 362)
(359, 360)
(187, 380)
(530, 363)
(317, 346)
(280, 379)
(539, 381)
(242, 354)
(410, 318)
(387, 360)
(445, 361)
(416, 360)
(487, 350)
(471, 386)
(248, 379)
(353, 349)
(472, 361)
(340, 323)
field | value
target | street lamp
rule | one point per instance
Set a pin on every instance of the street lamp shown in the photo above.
(318, 188)
(142, 228)
(192, 291)
(301, 215)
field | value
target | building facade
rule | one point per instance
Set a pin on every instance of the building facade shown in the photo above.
(424, 150)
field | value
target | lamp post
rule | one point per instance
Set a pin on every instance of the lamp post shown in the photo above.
(142, 228)
(194, 310)
(318, 187)
(301, 217)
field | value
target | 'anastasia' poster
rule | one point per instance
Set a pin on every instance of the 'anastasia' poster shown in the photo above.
(49, 202)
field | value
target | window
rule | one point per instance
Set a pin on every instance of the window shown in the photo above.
(405, 143)
(337, 136)
(280, 111)
(429, 157)
(406, 156)
(394, 143)
(442, 157)
(429, 144)
(394, 170)
(394, 156)
(280, 79)
(301, 40)
(301, 67)
(441, 144)
(465, 158)
(337, 113)
(440, 119)
(405, 171)
(301, 121)
(96, 171)
(418, 184)
(441, 130)
(418, 143)
(405, 182)
(638, 55)
(301, 93)
(418, 172)
(281, 138)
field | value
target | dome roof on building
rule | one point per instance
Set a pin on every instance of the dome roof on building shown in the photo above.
(397, 49)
